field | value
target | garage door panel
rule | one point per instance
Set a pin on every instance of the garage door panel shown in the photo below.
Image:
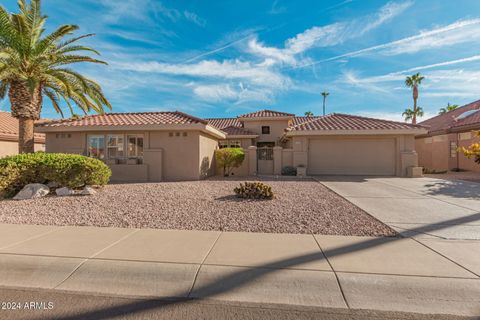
(352, 156)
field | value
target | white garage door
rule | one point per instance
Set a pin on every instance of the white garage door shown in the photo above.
(351, 156)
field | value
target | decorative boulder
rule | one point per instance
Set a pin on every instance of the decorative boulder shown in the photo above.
(88, 191)
(32, 191)
(53, 185)
(64, 192)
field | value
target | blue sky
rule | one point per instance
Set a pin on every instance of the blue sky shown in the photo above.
(224, 58)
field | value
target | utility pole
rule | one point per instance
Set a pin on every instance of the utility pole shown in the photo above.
(324, 94)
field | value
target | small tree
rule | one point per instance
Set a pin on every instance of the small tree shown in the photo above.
(229, 158)
(308, 113)
(473, 150)
(409, 114)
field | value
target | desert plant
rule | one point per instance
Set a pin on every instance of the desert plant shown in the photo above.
(229, 158)
(66, 170)
(36, 66)
(409, 114)
(448, 108)
(473, 150)
(254, 190)
(289, 171)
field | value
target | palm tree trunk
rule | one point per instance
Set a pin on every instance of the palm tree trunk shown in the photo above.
(324, 105)
(414, 118)
(415, 97)
(26, 105)
(26, 142)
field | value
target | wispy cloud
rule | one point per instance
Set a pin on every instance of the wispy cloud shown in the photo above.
(191, 16)
(276, 8)
(458, 32)
(327, 36)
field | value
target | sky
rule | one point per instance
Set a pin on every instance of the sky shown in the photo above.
(226, 58)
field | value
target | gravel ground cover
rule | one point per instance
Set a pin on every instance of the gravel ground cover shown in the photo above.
(300, 206)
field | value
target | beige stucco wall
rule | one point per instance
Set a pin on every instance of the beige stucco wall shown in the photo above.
(207, 147)
(9, 148)
(277, 129)
(182, 157)
(434, 152)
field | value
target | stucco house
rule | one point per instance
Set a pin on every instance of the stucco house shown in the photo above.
(168, 146)
(438, 148)
(9, 136)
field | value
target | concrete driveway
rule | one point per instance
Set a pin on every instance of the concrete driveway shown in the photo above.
(421, 208)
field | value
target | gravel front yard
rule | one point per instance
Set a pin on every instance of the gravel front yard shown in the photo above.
(299, 207)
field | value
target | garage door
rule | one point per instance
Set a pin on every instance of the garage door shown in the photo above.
(351, 156)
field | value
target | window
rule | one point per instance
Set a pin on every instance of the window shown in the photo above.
(115, 146)
(135, 146)
(265, 130)
(229, 144)
(453, 149)
(96, 146)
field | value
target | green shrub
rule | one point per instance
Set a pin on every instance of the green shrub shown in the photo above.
(67, 170)
(289, 171)
(229, 158)
(254, 190)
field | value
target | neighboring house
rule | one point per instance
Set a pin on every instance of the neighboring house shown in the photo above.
(438, 149)
(157, 146)
(9, 136)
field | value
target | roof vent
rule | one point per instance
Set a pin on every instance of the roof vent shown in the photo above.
(466, 114)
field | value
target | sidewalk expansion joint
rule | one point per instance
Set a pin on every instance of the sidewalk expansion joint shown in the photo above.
(31, 238)
(201, 264)
(451, 260)
(334, 272)
(93, 256)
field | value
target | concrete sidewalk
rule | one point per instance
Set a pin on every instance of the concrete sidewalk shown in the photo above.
(394, 274)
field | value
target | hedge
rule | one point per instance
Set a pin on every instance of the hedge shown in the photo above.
(67, 170)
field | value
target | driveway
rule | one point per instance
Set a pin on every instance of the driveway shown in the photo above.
(421, 208)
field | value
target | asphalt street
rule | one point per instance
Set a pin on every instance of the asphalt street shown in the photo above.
(35, 304)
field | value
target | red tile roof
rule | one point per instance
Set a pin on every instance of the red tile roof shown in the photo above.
(221, 123)
(338, 121)
(9, 129)
(238, 131)
(266, 114)
(449, 120)
(302, 119)
(126, 119)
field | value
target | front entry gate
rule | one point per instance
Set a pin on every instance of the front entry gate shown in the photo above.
(265, 160)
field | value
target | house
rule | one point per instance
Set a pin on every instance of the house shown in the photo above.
(438, 148)
(9, 136)
(167, 146)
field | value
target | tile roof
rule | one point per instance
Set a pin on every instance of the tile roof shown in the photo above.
(238, 131)
(338, 121)
(451, 119)
(126, 119)
(9, 128)
(221, 123)
(266, 114)
(302, 119)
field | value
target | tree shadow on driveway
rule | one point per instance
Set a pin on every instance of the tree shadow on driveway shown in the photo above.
(243, 277)
(455, 189)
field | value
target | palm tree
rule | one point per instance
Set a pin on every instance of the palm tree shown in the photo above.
(33, 67)
(309, 114)
(448, 108)
(413, 82)
(410, 114)
(325, 95)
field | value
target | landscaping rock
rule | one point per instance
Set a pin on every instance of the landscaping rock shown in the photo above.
(32, 191)
(88, 191)
(53, 185)
(64, 192)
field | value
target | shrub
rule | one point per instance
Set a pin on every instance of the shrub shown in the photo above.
(67, 170)
(289, 171)
(229, 158)
(254, 190)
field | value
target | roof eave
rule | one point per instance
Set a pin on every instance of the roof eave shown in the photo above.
(150, 127)
(242, 136)
(413, 131)
(265, 118)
